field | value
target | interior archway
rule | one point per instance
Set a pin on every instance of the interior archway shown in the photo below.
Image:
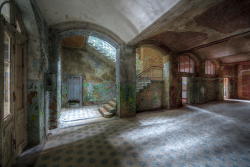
(153, 73)
(79, 54)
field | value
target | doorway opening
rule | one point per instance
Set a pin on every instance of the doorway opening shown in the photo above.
(226, 88)
(184, 97)
(88, 80)
(151, 62)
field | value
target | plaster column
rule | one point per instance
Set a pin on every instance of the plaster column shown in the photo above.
(52, 80)
(175, 83)
(126, 82)
(167, 79)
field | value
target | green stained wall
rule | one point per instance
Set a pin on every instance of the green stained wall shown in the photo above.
(127, 82)
(151, 97)
(98, 75)
(202, 90)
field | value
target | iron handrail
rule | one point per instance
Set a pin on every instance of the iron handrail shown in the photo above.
(147, 70)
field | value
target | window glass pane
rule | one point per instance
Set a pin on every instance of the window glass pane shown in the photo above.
(182, 65)
(103, 47)
(209, 68)
(6, 75)
(191, 66)
(186, 64)
(6, 10)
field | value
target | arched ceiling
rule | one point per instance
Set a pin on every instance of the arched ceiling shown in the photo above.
(125, 18)
(179, 25)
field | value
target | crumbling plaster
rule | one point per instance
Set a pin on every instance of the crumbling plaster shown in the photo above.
(37, 31)
(98, 77)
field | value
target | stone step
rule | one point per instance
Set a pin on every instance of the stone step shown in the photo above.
(105, 113)
(112, 103)
(140, 87)
(142, 84)
(108, 107)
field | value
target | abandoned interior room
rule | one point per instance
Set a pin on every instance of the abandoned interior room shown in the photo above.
(125, 83)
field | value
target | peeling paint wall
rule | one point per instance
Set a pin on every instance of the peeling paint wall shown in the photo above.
(127, 82)
(230, 71)
(151, 97)
(202, 90)
(153, 60)
(244, 80)
(149, 56)
(37, 66)
(98, 76)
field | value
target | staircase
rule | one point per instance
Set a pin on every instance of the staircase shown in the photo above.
(142, 83)
(108, 110)
(145, 78)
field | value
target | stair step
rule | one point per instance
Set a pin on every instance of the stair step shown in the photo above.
(112, 103)
(105, 113)
(108, 107)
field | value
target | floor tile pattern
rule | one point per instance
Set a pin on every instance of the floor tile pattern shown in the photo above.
(76, 116)
(210, 135)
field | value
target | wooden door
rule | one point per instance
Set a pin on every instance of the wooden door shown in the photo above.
(75, 89)
(19, 99)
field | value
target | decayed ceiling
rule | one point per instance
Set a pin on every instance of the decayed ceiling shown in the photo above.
(180, 25)
(197, 23)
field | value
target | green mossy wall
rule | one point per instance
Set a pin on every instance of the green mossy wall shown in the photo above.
(202, 90)
(98, 76)
(151, 97)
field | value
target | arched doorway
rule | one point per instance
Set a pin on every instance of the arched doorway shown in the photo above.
(86, 90)
(153, 78)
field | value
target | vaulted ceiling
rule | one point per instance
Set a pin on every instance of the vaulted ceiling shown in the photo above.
(212, 29)
(125, 18)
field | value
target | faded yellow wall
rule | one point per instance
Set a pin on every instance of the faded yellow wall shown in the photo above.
(149, 56)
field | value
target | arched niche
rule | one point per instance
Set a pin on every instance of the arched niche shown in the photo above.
(56, 37)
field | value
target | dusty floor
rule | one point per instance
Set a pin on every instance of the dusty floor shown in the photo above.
(210, 135)
(77, 116)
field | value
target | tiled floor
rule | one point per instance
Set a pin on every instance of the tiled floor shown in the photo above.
(210, 135)
(78, 116)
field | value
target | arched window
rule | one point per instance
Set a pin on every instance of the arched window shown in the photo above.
(103, 47)
(186, 64)
(209, 68)
(5, 10)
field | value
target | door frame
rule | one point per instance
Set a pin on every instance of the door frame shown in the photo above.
(226, 94)
(22, 44)
(8, 123)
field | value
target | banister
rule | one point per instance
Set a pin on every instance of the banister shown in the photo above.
(148, 69)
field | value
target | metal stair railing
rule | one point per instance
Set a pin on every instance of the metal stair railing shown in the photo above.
(151, 73)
